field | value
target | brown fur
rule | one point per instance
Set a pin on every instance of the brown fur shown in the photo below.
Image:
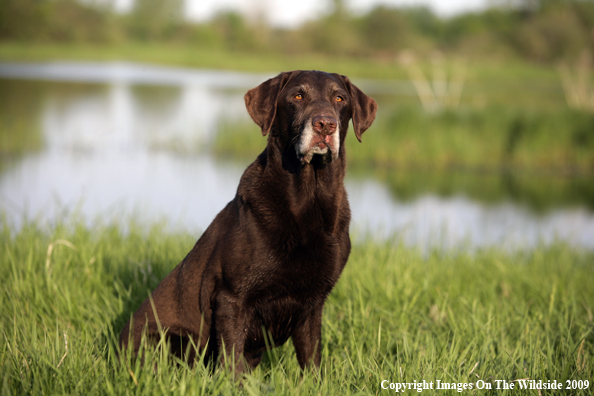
(273, 254)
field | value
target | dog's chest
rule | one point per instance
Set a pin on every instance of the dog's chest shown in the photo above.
(291, 285)
(277, 317)
(307, 271)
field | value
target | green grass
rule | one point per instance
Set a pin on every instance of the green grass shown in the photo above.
(395, 315)
(492, 75)
(173, 54)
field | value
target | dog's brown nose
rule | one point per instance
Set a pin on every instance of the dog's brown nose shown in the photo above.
(324, 125)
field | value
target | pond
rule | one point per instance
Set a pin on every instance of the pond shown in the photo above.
(109, 141)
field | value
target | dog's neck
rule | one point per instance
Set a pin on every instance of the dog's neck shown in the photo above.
(299, 190)
(309, 199)
(321, 169)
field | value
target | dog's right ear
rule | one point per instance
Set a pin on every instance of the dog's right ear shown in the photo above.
(261, 101)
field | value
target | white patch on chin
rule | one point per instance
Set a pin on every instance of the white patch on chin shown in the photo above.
(304, 150)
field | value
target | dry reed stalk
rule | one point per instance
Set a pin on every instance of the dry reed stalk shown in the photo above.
(577, 83)
(445, 89)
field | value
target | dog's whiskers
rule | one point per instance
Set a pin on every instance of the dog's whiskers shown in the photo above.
(295, 138)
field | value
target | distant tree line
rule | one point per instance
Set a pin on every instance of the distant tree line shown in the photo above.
(537, 30)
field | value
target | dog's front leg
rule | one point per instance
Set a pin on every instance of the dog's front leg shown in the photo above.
(231, 335)
(307, 340)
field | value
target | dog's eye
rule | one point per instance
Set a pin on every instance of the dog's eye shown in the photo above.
(298, 97)
(338, 99)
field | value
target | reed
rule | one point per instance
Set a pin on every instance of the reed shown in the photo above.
(578, 84)
(444, 89)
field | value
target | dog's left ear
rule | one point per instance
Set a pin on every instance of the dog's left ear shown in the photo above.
(261, 101)
(364, 108)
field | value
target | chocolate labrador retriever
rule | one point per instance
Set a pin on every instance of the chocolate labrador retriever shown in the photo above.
(261, 272)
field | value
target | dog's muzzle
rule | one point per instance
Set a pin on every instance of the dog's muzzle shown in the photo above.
(320, 136)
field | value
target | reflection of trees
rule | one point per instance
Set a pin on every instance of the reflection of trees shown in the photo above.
(20, 111)
(540, 193)
(157, 100)
(155, 106)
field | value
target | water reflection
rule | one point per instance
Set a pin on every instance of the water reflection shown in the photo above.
(122, 138)
(540, 193)
(457, 221)
(87, 117)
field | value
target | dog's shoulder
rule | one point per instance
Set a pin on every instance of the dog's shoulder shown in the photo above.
(253, 174)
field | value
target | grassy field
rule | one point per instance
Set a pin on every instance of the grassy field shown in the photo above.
(506, 71)
(190, 56)
(395, 315)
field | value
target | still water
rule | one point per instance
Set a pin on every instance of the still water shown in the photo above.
(112, 140)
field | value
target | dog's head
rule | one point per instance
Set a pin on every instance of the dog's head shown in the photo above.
(309, 112)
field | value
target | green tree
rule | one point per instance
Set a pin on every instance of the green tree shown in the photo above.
(552, 34)
(233, 29)
(385, 29)
(21, 19)
(332, 33)
(56, 20)
(155, 19)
